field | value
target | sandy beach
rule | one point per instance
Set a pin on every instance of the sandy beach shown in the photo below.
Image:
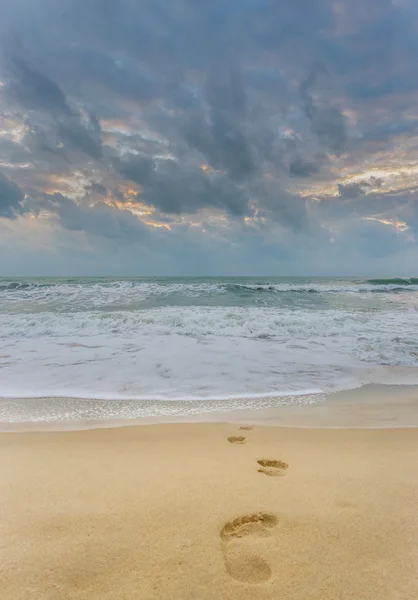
(209, 511)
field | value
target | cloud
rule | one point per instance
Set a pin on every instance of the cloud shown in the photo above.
(96, 188)
(75, 134)
(138, 168)
(99, 219)
(327, 122)
(178, 188)
(358, 188)
(301, 168)
(33, 90)
(222, 137)
(11, 198)
(259, 125)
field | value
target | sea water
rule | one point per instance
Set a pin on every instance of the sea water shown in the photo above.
(104, 348)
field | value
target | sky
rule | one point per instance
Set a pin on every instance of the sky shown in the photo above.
(181, 137)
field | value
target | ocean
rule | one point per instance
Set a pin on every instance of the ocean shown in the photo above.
(111, 348)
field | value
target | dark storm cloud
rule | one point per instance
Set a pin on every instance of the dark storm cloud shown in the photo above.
(99, 220)
(358, 188)
(138, 168)
(123, 80)
(177, 188)
(11, 197)
(327, 122)
(77, 135)
(351, 190)
(34, 90)
(301, 168)
(96, 188)
(39, 141)
(205, 106)
(191, 73)
(228, 144)
(376, 53)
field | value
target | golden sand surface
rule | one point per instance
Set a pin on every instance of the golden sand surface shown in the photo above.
(209, 511)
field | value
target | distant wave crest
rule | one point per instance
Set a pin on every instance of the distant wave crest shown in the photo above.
(396, 281)
(109, 290)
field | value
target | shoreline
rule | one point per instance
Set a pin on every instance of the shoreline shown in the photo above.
(370, 407)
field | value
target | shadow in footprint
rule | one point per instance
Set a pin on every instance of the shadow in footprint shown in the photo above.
(237, 439)
(272, 468)
(241, 562)
(247, 427)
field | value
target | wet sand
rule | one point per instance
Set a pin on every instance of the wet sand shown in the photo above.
(368, 407)
(209, 511)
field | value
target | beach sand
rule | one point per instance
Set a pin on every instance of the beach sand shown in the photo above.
(186, 512)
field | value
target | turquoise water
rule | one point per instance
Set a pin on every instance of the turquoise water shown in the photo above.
(197, 341)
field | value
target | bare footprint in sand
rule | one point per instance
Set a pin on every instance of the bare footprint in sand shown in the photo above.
(241, 561)
(247, 427)
(272, 468)
(237, 439)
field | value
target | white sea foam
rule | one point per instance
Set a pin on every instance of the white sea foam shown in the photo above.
(201, 342)
(198, 351)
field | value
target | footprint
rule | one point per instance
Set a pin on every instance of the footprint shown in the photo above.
(242, 563)
(237, 439)
(272, 468)
(255, 524)
(247, 427)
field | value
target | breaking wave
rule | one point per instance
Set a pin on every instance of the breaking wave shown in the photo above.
(196, 339)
